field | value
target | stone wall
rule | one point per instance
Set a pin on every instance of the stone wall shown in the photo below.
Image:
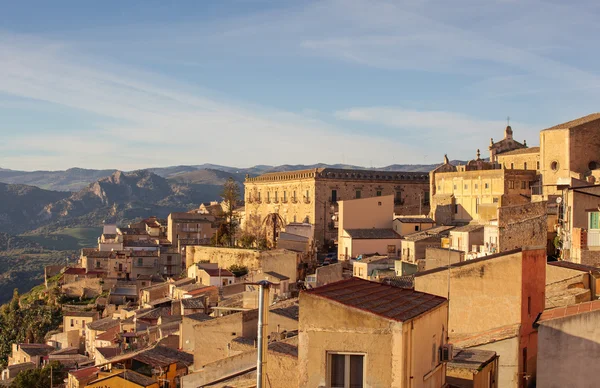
(279, 260)
(521, 161)
(329, 274)
(86, 288)
(438, 257)
(522, 226)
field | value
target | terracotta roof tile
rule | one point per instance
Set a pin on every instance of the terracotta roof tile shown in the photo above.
(398, 304)
(567, 311)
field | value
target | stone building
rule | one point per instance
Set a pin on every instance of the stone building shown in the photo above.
(311, 196)
(474, 192)
(373, 335)
(494, 301)
(505, 145)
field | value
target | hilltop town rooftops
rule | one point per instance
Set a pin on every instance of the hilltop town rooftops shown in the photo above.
(217, 272)
(406, 281)
(84, 372)
(468, 262)
(110, 334)
(575, 266)
(200, 317)
(567, 311)
(129, 375)
(160, 356)
(372, 234)
(486, 337)
(576, 123)
(132, 232)
(415, 220)
(276, 275)
(398, 304)
(36, 349)
(95, 253)
(521, 151)
(80, 313)
(103, 324)
(340, 174)
(109, 351)
(468, 228)
(193, 303)
(140, 243)
(292, 312)
(429, 233)
(74, 271)
(471, 359)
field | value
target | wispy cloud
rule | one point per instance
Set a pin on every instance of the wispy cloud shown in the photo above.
(158, 121)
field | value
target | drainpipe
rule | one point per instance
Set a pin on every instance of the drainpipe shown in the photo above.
(263, 341)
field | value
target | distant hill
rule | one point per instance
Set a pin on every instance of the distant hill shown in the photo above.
(75, 179)
(21, 206)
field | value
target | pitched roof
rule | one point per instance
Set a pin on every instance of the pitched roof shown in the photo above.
(155, 313)
(217, 272)
(575, 266)
(200, 317)
(468, 262)
(398, 304)
(292, 312)
(486, 337)
(284, 348)
(276, 275)
(104, 324)
(163, 356)
(521, 151)
(429, 233)
(471, 359)
(110, 334)
(80, 313)
(467, 228)
(193, 303)
(372, 233)
(36, 349)
(415, 220)
(84, 373)
(109, 352)
(567, 311)
(406, 281)
(131, 376)
(95, 253)
(577, 122)
(74, 271)
(292, 237)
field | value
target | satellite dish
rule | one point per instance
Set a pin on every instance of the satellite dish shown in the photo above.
(559, 200)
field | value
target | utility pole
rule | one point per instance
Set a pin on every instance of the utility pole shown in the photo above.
(263, 341)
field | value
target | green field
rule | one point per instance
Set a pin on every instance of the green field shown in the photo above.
(68, 238)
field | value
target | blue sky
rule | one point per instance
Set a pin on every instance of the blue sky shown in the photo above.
(139, 84)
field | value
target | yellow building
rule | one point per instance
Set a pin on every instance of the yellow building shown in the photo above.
(474, 192)
(311, 196)
(123, 379)
(372, 335)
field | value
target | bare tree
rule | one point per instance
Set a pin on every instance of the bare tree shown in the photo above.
(231, 196)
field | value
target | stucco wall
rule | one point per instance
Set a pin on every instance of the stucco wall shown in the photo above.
(379, 246)
(438, 257)
(329, 274)
(568, 348)
(474, 288)
(320, 333)
(508, 361)
(279, 260)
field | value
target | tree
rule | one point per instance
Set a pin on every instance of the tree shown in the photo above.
(247, 240)
(238, 270)
(40, 378)
(231, 197)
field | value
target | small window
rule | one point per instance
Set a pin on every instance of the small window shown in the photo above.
(259, 195)
(346, 370)
(512, 166)
(476, 186)
(594, 220)
(554, 166)
(529, 305)
(525, 166)
(294, 218)
(537, 165)
(268, 196)
(487, 186)
(285, 196)
(495, 200)
(454, 187)
(72, 323)
(294, 195)
(378, 193)
(169, 258)
(455, 209)
(140, 261)
(333, 195)
(439, 187)
(426, 198)
(466, 187)
(523, 185)
(378, 203)
(358, 194)
(143, 284)
(416, 228)
(276, 196)
(511, 184)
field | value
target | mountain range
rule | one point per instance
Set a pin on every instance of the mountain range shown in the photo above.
(75, 179)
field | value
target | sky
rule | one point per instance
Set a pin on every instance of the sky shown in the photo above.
(136, 84)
